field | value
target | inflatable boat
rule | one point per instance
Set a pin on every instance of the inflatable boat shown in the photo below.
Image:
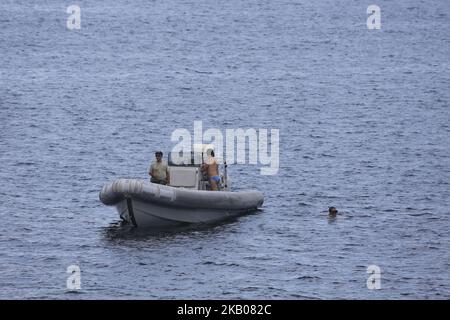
(145, 204)
(186, 200)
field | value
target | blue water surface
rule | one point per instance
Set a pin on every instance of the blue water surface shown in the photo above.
(364, 126)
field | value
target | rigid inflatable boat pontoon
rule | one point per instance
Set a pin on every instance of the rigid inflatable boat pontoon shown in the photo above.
(186, 200)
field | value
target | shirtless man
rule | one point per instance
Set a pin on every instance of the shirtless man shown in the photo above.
(213, 171)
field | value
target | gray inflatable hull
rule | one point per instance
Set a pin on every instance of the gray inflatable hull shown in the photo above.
(146, 204)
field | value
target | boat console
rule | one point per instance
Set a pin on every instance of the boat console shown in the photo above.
(188, 174)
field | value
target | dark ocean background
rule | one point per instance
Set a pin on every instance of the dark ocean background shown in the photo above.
(364, 126)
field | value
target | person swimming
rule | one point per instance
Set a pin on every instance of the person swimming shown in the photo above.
(332, 211)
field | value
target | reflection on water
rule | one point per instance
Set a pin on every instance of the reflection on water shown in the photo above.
(121, 230)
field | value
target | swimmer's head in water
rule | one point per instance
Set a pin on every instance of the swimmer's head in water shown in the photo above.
(332, 211)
